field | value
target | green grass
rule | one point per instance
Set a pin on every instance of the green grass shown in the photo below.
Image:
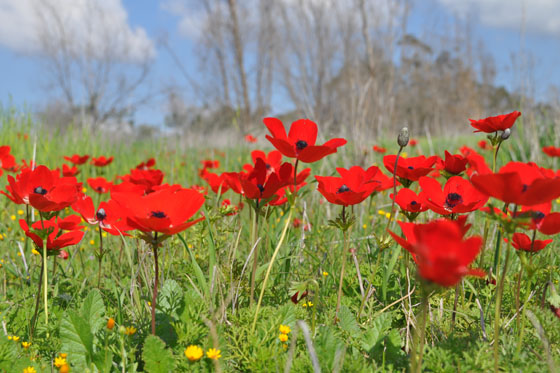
(204, 295)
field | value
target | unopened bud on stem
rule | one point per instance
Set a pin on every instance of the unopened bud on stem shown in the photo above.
(506, 134)
(402, 140)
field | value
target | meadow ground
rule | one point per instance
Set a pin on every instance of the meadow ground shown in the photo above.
(205, 277)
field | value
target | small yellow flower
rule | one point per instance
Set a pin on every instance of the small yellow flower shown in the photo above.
(110, 323)
(13, 217)
(130, 330)
(285, 329)
(29, 370)
(20, 212)
(92, 242)
(15, 338)
(10, 337)
(84, 190)
(19, 253)
(104, 234)
(388, 215)
(1, 237)
(194, 353)
(364, 226)
(404, 154)
(381, 212)
(34, 251)
(213, 354)
(59, 361)
(308, 304)
(64, 369)
(325, 274)
(284, 346)
(63, 355)
(22, 239)
(283, 337)
(25, 345)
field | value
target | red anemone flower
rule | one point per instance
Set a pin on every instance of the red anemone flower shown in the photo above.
(42, 189)
(520, 183)
(523, 242)
(409, 201)
(250, 139)
(107, 215)
(379, 149)
(164, 211)
(272, 160)
(483, 144)
(476, 162)
(550, 224)
(77, 159)
(551, 151)
(218, 183)
(99, 184)
(7, 160)
(352, 187)
(299, 143)
(454, 164)
(69, 171)
(383, 182)
(147, 164)
(259, 184)
(458, 196)
(101, 161)
(52, 228)
(413, 142)
(439, 249)
(147, 178)
(209, 163)
(410, 168)
(497, 123)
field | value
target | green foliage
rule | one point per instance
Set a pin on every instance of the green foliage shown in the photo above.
(157, 359)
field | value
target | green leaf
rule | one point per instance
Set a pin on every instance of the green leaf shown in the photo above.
(170, 299)
(157, 358)
(103, 360)
(348, 322)
(93, 310)
(77, 340)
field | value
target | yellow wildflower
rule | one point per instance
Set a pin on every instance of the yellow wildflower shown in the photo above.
(130, 330)
(20, 212)
(381, 212)
(213, 354)
(64, 369)
(364, 226)
(404, 154)
(194, 353)
(29, 370)
(283, 337)
(84, 190)
(34, 251)
(388, 215)
(25, 345)
(1, 237)
(13, 217)
(92, 242)
(285, 329)
(110, 323)
(15, 338)
(325, 273)
(59, 361)
(63, 355)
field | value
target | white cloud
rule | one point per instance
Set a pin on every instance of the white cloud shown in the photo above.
(92, 27)
(540, 16)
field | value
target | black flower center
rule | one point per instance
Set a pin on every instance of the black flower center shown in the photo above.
(410, 168)
(413, 203)
(538, 215)
(300, 145)
(453, 199)
(101, 214)
(100, 189)
(267, 166)
(343, 189)
(158, 214)
(40, 190)
(525, 186)
(261, 188)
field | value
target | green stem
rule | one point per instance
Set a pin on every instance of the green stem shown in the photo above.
(45, 275)
(34, 319)
(419, 337)
(154, 295)
(394, 188)
(344, 255)
(254, 229)
(276, 250)
(522, 317)
(100, 257)
(499, 306)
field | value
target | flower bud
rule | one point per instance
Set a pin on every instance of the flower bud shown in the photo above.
(506, 134)
(110, 323)
(122, 330)
(402, 140)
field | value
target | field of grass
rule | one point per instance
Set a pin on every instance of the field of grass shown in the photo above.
(205, 279)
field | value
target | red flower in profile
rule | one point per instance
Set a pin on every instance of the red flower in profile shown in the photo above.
(497, 123)
(42, 189)
(410, 168)
(218, 183)
(409, 201)
(164, 211)
(379, 149)
(383, 182)
(99, 184)
(101, 161)
(108, 215)
(413, 142)
(69, 171)
(439, 249)
(77, 159)
(149, 179)
(483, 144)
(522, 242)
(52, 229)
(476, 162)
(259, 184)
(550, 225)
(299, 143)
(7, 160)
(250, 139)
(458, 196)
(272, 160)
(524, 184)
(551, 151)
(352, 187)
(208, 163)
(147, 164)
(454, 164)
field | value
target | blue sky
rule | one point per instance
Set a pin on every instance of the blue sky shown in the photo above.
(497, 23)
